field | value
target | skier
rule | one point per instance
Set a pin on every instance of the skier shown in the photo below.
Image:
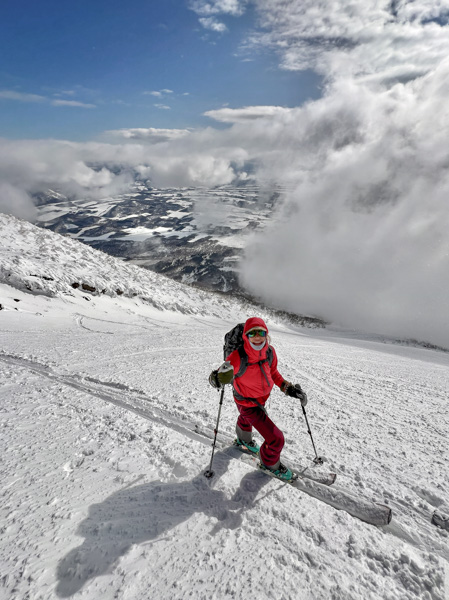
(251, 390)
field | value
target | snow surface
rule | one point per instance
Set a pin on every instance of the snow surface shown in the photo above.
(104, 405)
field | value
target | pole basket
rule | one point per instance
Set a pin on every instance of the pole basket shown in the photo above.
(209, 474)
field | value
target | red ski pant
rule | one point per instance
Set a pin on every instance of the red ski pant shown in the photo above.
(250, 417)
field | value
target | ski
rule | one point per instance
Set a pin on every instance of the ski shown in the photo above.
(323, 478)
(368, 511)
(361, 508)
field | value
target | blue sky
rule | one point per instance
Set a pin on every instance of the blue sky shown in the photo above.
(73, 70)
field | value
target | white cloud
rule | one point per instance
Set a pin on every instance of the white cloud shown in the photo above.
(247, 113)
(150, 134)
(354, 38)
(97, 170)
(20, 96)
(15, 201)
(362, 236)
(215, 7)
(73, 103)
(208, 10)
(23, 97)
(212, 24)
(158, 93)
(162, 106)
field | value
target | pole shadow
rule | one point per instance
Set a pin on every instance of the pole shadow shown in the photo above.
(142, 513)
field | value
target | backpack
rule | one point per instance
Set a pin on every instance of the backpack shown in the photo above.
(233, 340)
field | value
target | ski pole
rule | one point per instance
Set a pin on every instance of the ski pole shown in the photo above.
(209, 473)
(318, 459)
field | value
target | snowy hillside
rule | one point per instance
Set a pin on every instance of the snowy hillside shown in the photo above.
(107, 418)
(43, 262)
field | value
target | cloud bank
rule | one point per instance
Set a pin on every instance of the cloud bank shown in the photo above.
(96, 170)
(17, 202)
(362, 239)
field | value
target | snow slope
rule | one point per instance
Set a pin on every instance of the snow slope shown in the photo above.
(105, 415)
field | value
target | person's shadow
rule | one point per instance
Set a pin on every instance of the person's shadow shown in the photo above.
(141, 513)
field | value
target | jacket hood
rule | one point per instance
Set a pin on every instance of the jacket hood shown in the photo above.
(254, 322)
(252, 353)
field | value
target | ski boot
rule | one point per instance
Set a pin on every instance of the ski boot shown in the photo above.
(282, 472)
(251, 446)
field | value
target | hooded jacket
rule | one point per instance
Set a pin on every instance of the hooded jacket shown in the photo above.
(259, 378)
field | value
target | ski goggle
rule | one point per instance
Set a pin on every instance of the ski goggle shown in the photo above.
(254, 332)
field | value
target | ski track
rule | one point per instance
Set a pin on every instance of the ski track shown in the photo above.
(159, 529)
(135, 401)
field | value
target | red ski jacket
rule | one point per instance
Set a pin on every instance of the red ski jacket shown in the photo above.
(259, 378)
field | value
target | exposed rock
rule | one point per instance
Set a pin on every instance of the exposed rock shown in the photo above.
(88, 288)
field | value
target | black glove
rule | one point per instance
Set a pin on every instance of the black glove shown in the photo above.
(213, 380)
(294, 391)
(222, 376)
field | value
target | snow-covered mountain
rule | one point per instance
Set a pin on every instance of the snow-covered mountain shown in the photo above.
(192, 235)
(107, 419)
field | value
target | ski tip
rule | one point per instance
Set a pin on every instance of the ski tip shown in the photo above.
(441, 519)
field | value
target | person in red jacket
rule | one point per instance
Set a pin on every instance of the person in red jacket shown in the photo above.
(251, 391)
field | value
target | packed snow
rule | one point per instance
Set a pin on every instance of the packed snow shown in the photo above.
(107, 420)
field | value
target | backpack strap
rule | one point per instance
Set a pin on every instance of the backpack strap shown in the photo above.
(244, 365)
(244, 360)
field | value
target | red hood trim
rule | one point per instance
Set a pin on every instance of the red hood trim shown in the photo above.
(253, 322)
